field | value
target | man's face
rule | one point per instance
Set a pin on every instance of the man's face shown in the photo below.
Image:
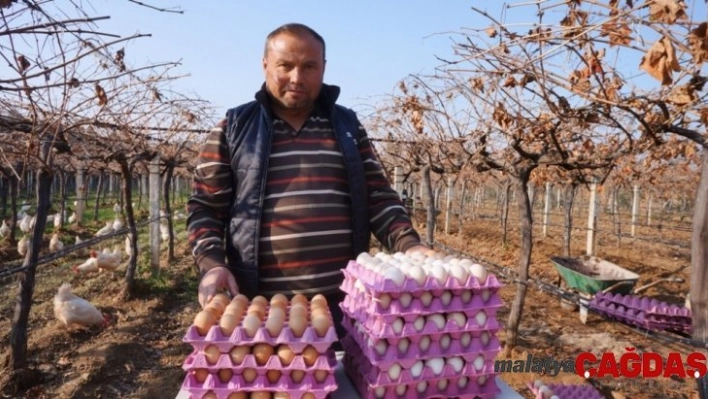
(294, 70)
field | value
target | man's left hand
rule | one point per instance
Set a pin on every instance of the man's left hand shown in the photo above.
(420, 248)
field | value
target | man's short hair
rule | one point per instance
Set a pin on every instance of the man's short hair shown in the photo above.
(297, 30)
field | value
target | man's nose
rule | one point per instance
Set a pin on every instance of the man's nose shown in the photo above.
(295, 75)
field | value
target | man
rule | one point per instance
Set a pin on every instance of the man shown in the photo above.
(292, 184)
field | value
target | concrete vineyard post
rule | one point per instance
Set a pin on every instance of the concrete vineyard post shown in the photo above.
(546, 208)
(398, 180)
(154, 192)
(592, 219)
(80, 194)
(448, 206)
(635, 209)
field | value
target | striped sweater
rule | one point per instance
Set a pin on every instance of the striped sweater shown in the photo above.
(306, 224)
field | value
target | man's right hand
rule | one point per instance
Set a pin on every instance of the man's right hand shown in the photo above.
(214, 280)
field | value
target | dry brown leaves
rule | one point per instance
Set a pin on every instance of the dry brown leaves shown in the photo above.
(502, 117)
(660, 61)
(477, 84)
(704, 115)
(573, 21)
(491, 32)
(618, 33)
(101, 94)
(698, 42)
(681, 95)
(5, 3)
(667, 11)
(22, 63)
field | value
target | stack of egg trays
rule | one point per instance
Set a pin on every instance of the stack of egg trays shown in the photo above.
(366, 309)
(568, 391)
(643, 312)
(196, 360)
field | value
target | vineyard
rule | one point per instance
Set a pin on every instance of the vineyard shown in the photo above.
(536, 141)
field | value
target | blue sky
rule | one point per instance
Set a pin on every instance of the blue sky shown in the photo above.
(371, 44)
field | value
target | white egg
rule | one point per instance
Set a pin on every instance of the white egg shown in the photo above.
(462, 382)
(438, 263)
(435, 364)
(438, 319)
(418, 274)
(426, 298)
(417, 256)
(380, 392)
(445, 341)
(448, 258)
(454, 261)
(465, 339)
(458, 272)
(405, 299)
(485, 295)
(417, 369)
(381, 255)
(446, 297)
(401, 390)
(481, 317)
(399, 256)
(385, 301)
(424, 343)
(442, 384)
(397, 325)
(484, 337)
(375, 261)
(479, 272)
(429, 260)
(466, 263)
(405, 267)
(381, 347)
(363, 257)
(439, 273)
(394, 372)
(458, 318)
(403, 345)
(478, 362)
(419, 323)
(466, 296)
(421, 387)
(395, 275)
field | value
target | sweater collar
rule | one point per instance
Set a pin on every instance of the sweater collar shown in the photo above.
(326, 100)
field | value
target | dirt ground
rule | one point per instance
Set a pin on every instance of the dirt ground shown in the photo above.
(141, 353)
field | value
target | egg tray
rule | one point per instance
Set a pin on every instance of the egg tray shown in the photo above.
(650, 305)
(360, 311)
(563, 391)
(371, 305)
(392, 355)
(471, 390)
(377, 329)
(238, 384)
(375, 376)
(639, 318)
(262, 336)
(197, 360)
(376, 283)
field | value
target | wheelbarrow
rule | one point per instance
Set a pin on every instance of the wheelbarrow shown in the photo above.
(588, 275)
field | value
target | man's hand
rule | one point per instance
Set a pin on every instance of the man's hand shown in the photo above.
(214, 280)
(420, 248)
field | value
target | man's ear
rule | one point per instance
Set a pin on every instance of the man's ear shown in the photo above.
(265, 64)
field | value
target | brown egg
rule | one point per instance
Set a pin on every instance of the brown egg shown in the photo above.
(273, 376)
(318, 300)
(321, 375)
(221, 298)
(308, 395)
(321, 324)
(279, 299)
(261, 300)
(227, 324)
(285, 354)
(203, 322)
(225, 375)
(250, 324)
(278, 306)
(249, 374)
(297, 325)
(310, 355)
(275, 322)
(216, 310)
(297, 375)
(240, 298)
(238, 395)
(236, 310)
(200, 375)
(262, 352)
(238, 353)
(209, 395)
(257, 308)
(299, 299)
(211, 354)
(281, 395)
(261, 395)
(319, 311)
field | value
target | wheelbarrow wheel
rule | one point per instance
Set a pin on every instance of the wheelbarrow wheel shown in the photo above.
(565, 303)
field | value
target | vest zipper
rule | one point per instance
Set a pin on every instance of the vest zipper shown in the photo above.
(269, 143)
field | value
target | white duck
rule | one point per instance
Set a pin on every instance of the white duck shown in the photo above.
(57, 220)
(73, 217)
(116, 208)
(23, 246)
(71, 309)
(117, 224)
(26, 224)
(164, 232)
(105, 230)
(107, 260)
(55, 244)
(4, 229)
(128, 247)
(89, 266)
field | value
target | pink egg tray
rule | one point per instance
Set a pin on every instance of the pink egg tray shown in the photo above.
(237, 384)
(375, 376)
(373, 305)
(563, 391)
(197, 360)
(378, 329)
(640, 318)
(455, 387)
(262, 336)
(650, 306)
(436, 348)
(377, 284)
